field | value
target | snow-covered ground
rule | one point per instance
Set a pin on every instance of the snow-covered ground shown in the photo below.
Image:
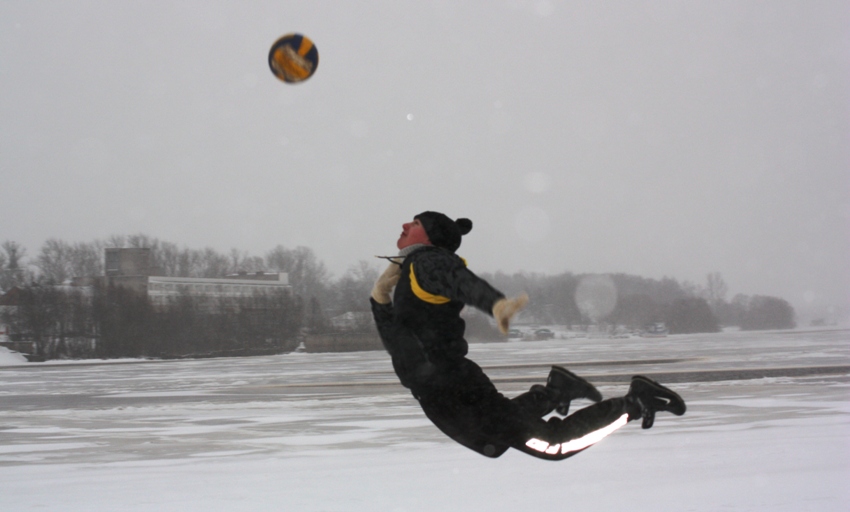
(334, 432)
(9, 357)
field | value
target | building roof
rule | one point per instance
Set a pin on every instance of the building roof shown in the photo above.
(217, 280)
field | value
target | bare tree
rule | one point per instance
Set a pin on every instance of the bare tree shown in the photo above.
(690, 315)
(115, 241)
(52, 318)
(14, 254)
(243, 262)
(212, 263)
(168, 259)
(353, 289)
(54, 261)
(768, 313)
(86, 259)
(307, 275)
(141, 241)
(254, 264)
(692, 289)
(715, 289)
(13, 271)
(280, 259)
(59, 260)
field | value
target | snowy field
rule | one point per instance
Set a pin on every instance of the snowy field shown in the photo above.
(334, 432)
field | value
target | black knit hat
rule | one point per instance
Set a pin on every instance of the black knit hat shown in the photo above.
(443, 231)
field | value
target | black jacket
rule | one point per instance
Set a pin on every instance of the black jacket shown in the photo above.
(422, 329)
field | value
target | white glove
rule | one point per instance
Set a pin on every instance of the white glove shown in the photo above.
(385, 283)
(505, 309)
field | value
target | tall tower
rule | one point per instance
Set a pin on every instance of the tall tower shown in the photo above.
(128, 262)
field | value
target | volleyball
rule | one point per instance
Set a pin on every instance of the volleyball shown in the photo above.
(293, 58)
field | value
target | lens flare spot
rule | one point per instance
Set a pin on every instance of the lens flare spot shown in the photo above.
(596, 296)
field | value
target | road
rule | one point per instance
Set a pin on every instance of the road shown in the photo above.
(512, 366)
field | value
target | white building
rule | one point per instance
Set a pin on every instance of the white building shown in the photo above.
(131, 268)
(162, 290)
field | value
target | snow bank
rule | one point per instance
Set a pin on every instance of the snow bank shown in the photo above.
(9, 358)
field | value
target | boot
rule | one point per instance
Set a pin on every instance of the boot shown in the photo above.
(646, 397)
(563, 386)
(536, 401)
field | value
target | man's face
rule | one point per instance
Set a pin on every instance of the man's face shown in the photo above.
(412, 233)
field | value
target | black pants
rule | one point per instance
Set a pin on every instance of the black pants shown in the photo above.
(462, 402)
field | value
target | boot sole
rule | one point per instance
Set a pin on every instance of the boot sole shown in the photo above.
(664, 399)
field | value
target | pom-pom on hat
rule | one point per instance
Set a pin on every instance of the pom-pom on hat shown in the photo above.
(443, 231)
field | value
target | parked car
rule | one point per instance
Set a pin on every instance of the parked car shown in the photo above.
(655, 330)
(543, 334)
(514, 334)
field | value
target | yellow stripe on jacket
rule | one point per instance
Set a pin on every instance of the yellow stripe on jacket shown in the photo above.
(422, 294)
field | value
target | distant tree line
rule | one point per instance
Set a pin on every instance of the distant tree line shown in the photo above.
(107, 322)
(59, 261)
(104, 321)
(122, 324)
(637, 301)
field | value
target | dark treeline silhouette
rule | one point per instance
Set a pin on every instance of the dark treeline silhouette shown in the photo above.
(108, 322)
(103, 321)
(638, 301)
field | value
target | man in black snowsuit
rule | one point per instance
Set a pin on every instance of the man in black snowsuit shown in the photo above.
(420, 326)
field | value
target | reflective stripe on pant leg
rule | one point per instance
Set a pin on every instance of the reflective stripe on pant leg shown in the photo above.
(558, 439)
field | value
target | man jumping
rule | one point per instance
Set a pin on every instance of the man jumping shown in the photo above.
(420, 326)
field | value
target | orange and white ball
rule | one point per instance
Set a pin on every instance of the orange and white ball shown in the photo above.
(293, 58)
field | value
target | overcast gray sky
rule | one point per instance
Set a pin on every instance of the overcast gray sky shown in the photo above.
(653, 138)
